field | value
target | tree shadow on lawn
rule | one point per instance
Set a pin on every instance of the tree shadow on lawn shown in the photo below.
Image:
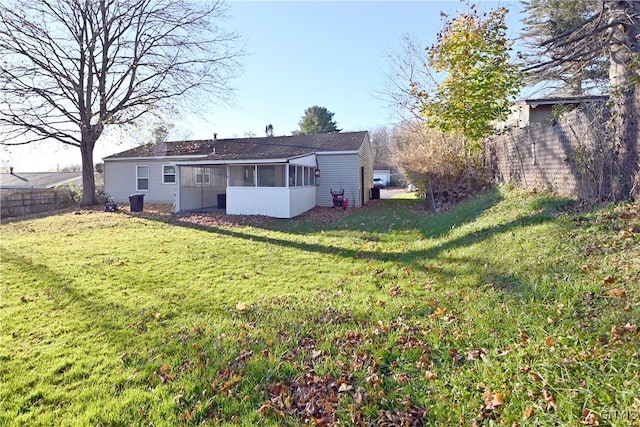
(378, 216)
(115, 321)
(434, 226)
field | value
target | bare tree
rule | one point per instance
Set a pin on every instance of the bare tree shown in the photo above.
(69, 68)
(381, 145)
(436, 162)
(408, 73)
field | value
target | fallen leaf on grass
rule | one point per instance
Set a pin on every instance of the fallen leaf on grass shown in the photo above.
(589, 418)
(616, 292)
(455, 356)
(609, 280)
(430, 375)
(344, 387)
(628, 328)
(478, 353)
(493, 400)
(528, 413)
(549, 400)
(439, 312)
(491, 407)
(241, 306)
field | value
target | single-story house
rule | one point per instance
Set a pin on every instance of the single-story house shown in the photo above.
(280, 176)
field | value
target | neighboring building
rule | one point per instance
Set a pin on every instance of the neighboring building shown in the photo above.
(383, 172)
(24, 193)
(280, 177)
(543, 110)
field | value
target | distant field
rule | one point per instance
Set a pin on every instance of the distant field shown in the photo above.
(512, 309)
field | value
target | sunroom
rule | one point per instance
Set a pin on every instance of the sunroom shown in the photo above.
(280, 188)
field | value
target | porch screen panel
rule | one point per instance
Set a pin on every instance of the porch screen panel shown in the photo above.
(219, 176)
(186, 176)
(242, 176)
(271, 176)
(292, 176)
(299, 176)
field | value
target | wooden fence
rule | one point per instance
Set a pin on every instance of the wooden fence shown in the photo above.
(21, 202)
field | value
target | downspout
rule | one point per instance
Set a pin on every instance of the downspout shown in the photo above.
(176, 197)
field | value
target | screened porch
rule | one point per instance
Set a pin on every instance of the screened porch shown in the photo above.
(281, 190)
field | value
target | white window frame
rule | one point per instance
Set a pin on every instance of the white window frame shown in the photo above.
(201, 176)
(165, 174)
(138, 177)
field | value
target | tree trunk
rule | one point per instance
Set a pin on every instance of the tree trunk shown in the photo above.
(625, 49)
(88, 178)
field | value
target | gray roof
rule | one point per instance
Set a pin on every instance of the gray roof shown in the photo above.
(18, 180)
(275, 147)
(564, 100)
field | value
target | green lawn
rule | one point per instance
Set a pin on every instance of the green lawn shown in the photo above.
(512, 309)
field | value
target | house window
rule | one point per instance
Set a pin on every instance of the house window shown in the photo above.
(142, 178)
(202, 176)
(168, 174)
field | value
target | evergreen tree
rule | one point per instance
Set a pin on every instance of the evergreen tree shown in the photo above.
(317, 120)
(566, 71)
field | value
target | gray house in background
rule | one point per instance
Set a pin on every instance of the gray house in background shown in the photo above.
(280, 177)
(30, 180)
(541, 110)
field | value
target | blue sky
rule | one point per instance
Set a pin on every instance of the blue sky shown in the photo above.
(328, 53)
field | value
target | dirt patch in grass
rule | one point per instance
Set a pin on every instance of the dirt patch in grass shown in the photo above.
(317, 216)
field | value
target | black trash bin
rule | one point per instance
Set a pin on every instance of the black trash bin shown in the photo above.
(136, 202)
(222, 201)
(375, 193)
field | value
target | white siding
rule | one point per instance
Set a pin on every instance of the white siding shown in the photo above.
(120, 181)
(277, 202)
(301, 199)
(305, 161)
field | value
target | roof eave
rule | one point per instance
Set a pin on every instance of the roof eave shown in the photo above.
(164, 158)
